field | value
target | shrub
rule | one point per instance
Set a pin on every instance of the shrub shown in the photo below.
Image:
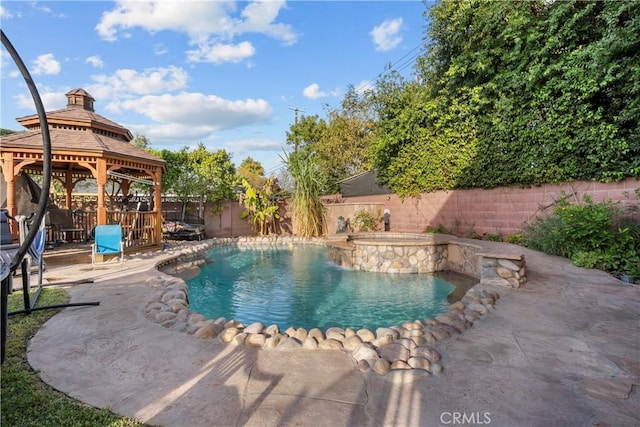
(573, 228)
(592, 235)
(543, 235)
(364, 221)
(473, 234)
(516, 239)
(586, 259)
(440, 228)
(497, 237)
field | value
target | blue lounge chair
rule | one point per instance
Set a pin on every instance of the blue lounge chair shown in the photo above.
(108, 241)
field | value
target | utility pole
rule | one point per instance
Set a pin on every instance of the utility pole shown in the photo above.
(295, 110)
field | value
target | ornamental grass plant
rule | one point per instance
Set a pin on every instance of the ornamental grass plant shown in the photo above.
(308, 211)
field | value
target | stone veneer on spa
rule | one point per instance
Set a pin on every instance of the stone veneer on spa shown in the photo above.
(403, 253)
(406, 346)
(391, 252)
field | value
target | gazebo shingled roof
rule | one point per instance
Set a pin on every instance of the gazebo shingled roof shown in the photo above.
(78, 128)
(84, 144)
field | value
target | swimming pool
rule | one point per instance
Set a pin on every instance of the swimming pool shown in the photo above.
(299, 286)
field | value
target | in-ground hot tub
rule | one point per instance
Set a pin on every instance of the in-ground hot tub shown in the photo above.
(391, 252)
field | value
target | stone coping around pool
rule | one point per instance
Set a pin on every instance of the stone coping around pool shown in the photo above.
(426, 239)
(401, 347)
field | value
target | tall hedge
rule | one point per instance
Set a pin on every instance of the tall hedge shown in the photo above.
(522, 92)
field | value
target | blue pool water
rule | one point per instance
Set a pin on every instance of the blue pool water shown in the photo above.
(301, 287)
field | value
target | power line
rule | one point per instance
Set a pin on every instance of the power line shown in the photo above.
(402, 63)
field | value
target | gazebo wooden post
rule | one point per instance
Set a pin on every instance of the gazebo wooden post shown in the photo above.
(157, 203)
(124, 187)
(102, 181)
(8, 166)
(68, 186)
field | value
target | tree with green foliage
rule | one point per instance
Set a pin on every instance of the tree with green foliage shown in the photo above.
(141, 141)
(307, 137)
(308, 131)
(420, 144)
(344, 150)
(339, 144)
(514, 93)
(214, 175)
(208, 175)
(178, 178)
(253, 171)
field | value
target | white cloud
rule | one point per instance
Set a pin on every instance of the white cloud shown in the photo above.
(246, 145)
(46, 64)
(199, 110)
(259, 17)
(46, 9)
(172, 133)
(4, 13)
(219, 53)
(51, 100)
(95, 60)
(386, 35)
(127, 82)
(313, 91)
(160, 49)
(4, 60)
(202, 17)
(211, 25)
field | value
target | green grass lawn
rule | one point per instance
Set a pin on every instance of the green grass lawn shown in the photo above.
(25, 399)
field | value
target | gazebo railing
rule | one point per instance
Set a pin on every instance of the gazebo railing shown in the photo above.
(138, 228)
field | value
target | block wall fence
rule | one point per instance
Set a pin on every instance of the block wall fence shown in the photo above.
(503, 210)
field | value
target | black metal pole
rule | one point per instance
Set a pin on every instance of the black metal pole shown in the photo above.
(6, 282)
(51, 307)
(25, 283)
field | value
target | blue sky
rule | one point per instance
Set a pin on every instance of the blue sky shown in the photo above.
(227, 74)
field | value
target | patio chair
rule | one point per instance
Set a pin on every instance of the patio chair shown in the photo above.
(108, 241)
(62, 223)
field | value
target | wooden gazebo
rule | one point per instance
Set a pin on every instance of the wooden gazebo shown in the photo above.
(86, 145)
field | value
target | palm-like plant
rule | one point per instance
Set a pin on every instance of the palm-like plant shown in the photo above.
(260, 210)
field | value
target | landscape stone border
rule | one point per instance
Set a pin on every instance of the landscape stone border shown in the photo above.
(402, 347)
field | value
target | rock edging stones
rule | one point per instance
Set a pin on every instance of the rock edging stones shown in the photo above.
(403, 347)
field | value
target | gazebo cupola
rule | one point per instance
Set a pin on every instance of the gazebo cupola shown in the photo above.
(80, 98)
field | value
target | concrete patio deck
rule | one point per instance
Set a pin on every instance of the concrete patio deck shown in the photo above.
(564, 350)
